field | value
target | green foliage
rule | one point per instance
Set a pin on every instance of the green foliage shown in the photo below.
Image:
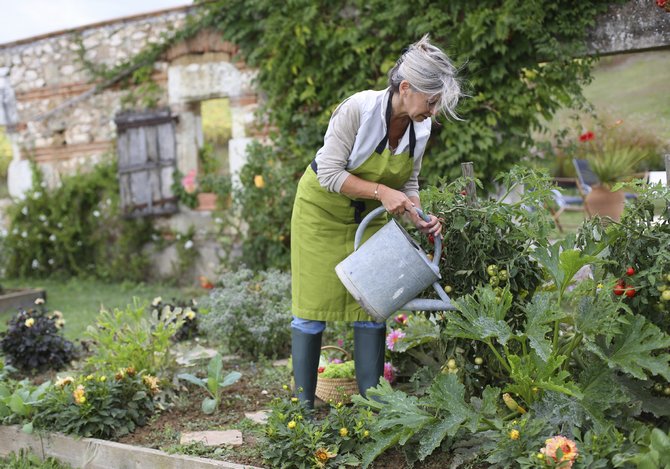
(34, 341)
(27, 460)
(18, 401)
(186, 311)
(250, 312)
(5, 153)
(339, 370)
(213, 384)
(653, 450)
(517, 66)
(75, 230)
(133, 338)
(294, 440)
(99, 406)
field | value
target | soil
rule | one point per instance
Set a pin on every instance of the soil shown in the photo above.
(247, 395)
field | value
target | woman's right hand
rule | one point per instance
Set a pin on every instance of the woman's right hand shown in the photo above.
(395, 202)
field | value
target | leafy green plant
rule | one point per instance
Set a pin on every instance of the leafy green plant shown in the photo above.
(652, 450)
(34, 341)
(19, 402)
(213, 384)
(294, 440)
(249, 312)
(133, 338)
(27, 460)
(101, 405)
(187, 311)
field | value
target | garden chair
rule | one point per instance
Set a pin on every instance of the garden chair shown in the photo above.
(565, 203)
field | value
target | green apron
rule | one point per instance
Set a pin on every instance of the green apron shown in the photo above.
(323, 226)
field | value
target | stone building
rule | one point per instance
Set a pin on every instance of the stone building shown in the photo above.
(56, 114)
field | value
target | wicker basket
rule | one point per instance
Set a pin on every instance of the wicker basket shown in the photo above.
(336, 389)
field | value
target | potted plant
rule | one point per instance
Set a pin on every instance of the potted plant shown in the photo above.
(604, 157)
(213, 190)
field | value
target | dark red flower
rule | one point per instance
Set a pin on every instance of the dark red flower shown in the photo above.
(585, 137)
(661, 3)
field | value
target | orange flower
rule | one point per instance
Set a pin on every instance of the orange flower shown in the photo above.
(152, 383)
(259, 182)
(79, 394)
(568, 449)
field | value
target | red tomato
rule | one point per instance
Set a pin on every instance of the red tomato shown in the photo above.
(630, 293)
(630, 271)
(619, 289)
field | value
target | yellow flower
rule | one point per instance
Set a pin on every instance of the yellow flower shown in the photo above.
(156, 301)
(514, 434)
(29, 322)
(291, 425)
(79, 394)
(59, 323)
(366, 433)
(89, 378)
(58, 315)
(190, 315)
(322, 455)
(62, 382)
(344, 432)
(294, 399)
(152, 383)
(39, 301)
(285, 387)
(119, 375)
(130, 371)
(102, 379)
(259, 182)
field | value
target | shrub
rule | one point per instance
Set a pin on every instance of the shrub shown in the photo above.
(34, 341)
(251, 312)
(133, 338)
(75, 229)
(100, 406)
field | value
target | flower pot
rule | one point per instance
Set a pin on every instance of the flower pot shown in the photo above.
(206, 201)
(603, 202)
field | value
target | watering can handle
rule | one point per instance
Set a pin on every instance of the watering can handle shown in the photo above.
(378, 211)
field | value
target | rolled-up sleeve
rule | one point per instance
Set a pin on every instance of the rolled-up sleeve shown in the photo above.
(332, 158)
(411, 187)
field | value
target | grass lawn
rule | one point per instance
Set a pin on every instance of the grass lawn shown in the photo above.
(80, 300)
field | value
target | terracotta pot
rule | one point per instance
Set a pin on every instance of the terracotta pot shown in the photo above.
(605, 203)
(206, 201)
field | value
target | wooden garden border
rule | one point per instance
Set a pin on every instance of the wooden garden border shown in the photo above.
(91, 453)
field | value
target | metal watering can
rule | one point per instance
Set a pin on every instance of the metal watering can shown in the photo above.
(387, 272)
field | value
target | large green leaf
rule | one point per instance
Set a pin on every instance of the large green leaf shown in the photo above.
(420, 330)
(530, 371)
(481, 317)
(540, 316)
(563, 261)
(641, 346)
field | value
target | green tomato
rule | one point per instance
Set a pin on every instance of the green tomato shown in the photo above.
(667, 277)
(661, 287)
(666, 295)
(451, 364)
(502, 275)
(492, 270)
(494, 281)
(479, 360)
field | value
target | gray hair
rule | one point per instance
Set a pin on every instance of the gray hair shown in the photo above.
(428, 70)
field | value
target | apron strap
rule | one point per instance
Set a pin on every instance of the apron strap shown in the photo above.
(412, 136)
(359, 208)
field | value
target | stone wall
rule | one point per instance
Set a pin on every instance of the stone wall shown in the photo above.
(55, 115)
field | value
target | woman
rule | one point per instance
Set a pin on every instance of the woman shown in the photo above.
(371, 155)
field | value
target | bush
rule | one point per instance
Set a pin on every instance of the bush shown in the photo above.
(34, 341)
(100, 406)
(179, 310)
(75, 230)
(251, 312)
(133, 338)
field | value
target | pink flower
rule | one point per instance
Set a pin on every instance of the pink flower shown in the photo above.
(340, 342)
(585, 137)
(568, 450)
(336, 360)
(394, 336)
(188, 182)
(389, 372)
(401, 319)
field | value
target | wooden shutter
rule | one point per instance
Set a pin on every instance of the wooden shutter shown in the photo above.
(146, 148)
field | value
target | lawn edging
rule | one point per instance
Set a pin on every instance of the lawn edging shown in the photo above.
(92, 453)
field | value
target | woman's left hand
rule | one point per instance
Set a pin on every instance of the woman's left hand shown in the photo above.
(433, 226)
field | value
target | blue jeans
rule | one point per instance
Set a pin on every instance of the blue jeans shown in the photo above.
(308, 326)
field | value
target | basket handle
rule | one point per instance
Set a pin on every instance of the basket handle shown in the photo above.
(339, 349)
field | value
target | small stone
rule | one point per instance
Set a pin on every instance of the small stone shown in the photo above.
(282, 362)
(259, 417)
(213, 438)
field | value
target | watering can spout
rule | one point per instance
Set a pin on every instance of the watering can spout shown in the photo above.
(422, 304)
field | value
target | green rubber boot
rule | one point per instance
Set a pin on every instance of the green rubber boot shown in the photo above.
(305, 353)
(369, 349)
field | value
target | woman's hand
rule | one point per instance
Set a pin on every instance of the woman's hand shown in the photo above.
(395, 202)
(433, 226)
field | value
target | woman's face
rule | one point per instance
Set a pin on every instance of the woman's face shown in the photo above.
(419, 106)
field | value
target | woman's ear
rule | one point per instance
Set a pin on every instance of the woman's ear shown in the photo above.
(404, 86)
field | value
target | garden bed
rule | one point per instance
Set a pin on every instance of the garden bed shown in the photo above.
(13, 299)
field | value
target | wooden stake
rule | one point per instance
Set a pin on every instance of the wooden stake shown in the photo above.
(468, 171)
